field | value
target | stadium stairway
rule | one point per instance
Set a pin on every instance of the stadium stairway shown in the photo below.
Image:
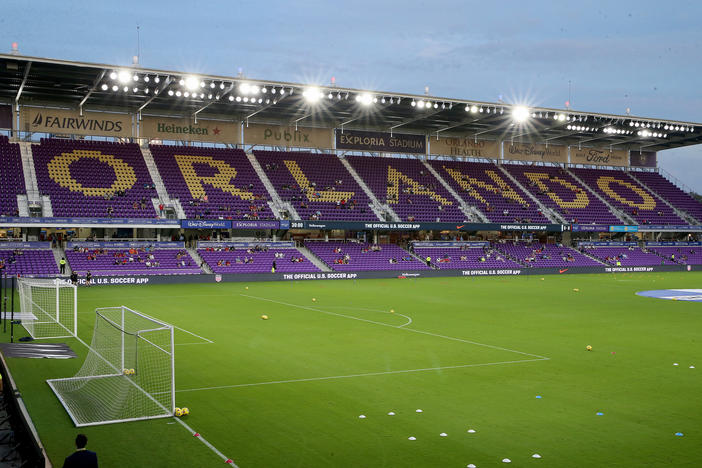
(677, 211)
(277, 205)
(378, 208)
(163, 196)
(516, 260)
(30, 176)
(623, 217)
(58, 253)
(23, 205)
(471, 212)
(592, 257)
(552, 215)
(196, 256)
(315, 260)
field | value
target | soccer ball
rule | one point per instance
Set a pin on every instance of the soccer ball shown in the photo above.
(392, 311)
(314, 299)
(125, 371)
(185, 411)
(264, 317)
(588, 347)
(178, 412)
(132, 371)
(247, 287)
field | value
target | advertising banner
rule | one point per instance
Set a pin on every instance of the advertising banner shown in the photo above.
(70, 122)
(6, 117)
(246, 245)
(381, 142)
(136, 222)
(535, 152)
(464, 147)
(275, 135)
(673, 244)
(643, 159)
(607, 244)
(623, 229)
(599, 156)
(590, 227)
(469, 244)
(364, 226)
(169, 128)
(228, 224)
(126, 245)
(24, 245)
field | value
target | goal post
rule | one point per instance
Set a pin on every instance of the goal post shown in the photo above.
(48, 307)
(128, 373)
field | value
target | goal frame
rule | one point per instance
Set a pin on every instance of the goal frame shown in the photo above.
(119, 373)
(27, 302)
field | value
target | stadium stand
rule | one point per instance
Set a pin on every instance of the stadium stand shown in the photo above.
(538, 255)
(94, 179)
(255, 259)
(558, 190)
(466, 256)
(484, 185)
(623, 192)
(133, 261)
(408, 187)
(671, 193)
(353, 256)
(28, 262)
(684, 255)
(212, 182)
(317, 185)
(627, 256)
(11, 177)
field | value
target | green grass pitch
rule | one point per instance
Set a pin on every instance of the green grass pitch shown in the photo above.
(471, 353)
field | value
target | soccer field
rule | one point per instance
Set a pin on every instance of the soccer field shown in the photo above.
(504, 357)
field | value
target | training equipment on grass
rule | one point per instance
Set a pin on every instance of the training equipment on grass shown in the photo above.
(314, 299)
(506, 460)
(363, 416)
(264, 317)
(471, 431)
(588, 347)
(178, 412)
(185, 411)
(101, 392)
(536, 455)
(443, 434)
(48, 307)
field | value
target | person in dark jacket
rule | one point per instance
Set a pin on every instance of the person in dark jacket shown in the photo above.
(82, 457)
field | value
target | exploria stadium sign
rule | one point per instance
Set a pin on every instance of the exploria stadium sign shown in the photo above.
(380, 142)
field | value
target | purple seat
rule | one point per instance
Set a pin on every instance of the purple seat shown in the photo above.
(28, 262)
(684, 255)
(457, 258)
(362, 257)
(317, 185)
(106, 261)
(671, 193)
(408, 187)
(94, 179)
(538, 255)
(212, 183)
(626, 194)
(11, 177)
(558, 190)
(288, 260)
(628, 256)
(484, 185)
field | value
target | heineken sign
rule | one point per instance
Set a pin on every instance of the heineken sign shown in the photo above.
(168, 128)
(381, 142)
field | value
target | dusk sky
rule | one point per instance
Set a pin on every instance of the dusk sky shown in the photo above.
(641, 55)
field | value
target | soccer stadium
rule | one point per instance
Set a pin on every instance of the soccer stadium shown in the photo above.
(204, 270)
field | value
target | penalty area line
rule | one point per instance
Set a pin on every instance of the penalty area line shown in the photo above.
(413, 330)
(366, 374)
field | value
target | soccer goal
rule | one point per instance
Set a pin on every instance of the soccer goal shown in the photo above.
(48, 307)
(128, 374)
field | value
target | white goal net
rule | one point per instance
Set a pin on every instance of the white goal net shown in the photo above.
(128, 374)
(48, 307)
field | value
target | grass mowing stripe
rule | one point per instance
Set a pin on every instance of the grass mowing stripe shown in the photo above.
(368, 374)
(394, 326)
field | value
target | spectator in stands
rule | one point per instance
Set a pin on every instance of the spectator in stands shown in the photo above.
(273, 267)
(82, 457)
(62, 265)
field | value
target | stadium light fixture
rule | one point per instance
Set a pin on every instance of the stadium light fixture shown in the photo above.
(209, 96)
(221, 85)
(202, 84)
(244, 88)
(413, 103)
(264, 90)
(146, 90)
(282, 91)
(202, 95)
(467, 108)
(312, 94)
(170, 92)
(178, 93)
(104, 87)
(231, 98)
(135, 89)
(520, 114)
(238, 99)
(125, 89)
(157, 80)
(366, 99)
(474, 109)
(420, 105)
(212, 85)
(115, 88)
(124, 76)
(135, 77)
(245, 99)
(191, 83)
(268, 101)
(113, 75)
(330, 96)
(186, 94)
(147, 79)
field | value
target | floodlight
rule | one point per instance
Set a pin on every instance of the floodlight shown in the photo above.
(126, 88)
(186, 94)
(157, 80)
(113, 76)
(420, 104)
(178, 93)
(124, 76)
(231, 98)
(191, 83)
(135, 77)
(474, 109)
(264, 90)
(202, 84)
(312, 94)
(366, 99)
(135, 89)
(146, 90)
(147, 79)
(103, 87)
(520, 113)
(115, 88)
(238, 99)
(244, 88)
(221, 85)
(170, 92)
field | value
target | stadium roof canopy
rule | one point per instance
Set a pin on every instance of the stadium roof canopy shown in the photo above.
(91, 86)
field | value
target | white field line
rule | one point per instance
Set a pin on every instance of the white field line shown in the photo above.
(367, 374)
(413, 330)
(409, 320)
(193, 334)
(192, 432)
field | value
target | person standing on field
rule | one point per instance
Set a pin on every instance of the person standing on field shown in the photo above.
(82, 457)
